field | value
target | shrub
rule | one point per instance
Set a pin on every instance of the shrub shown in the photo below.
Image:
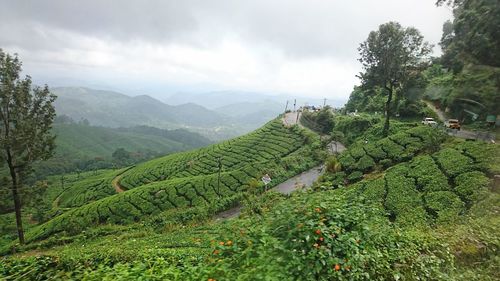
(403, 200)
(355, 176)
(375, 151)
(445, 206)
(374, 191)
(365, 163)
(453, 162)
(427, 174)
(469, 185)
(347, 161)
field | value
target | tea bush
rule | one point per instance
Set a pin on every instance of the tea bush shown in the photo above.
(470, 184)
(89, 189)
(365, 157)
(181, 189)
(445, 206)
(322, 236)
(429, 189)
(271, 142)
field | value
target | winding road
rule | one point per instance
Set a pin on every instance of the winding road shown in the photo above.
(300, 181)
(464, 134)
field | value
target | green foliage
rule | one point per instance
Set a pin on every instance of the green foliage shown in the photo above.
(401, 146)
(184, 180)
(375, 191)
(390, 57)
(374, 151)
(84, 148)
(471, 52)
(470, 184)
(403, 200)
(366, 101)
(453, 162)
(89, 189)
(430, 190)
(365, 163)
(26, 116)
(474, 35)
(446, 206)
(354, 126)
(268, 143)
(355, 176)
(332, 165)
(428, 176)
(349, 227)
(337, 238)
(322, 121)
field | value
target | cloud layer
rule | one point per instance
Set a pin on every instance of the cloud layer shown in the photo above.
(305, 47)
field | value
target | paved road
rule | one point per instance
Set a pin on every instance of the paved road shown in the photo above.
(291, 119)
(300, 181)
(464, 134)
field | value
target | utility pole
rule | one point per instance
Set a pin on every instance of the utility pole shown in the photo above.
(286, 106)
(219, 165)
(294, 104)
(324, 102)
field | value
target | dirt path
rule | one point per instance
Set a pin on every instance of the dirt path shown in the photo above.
(116, 184)
(116, 181)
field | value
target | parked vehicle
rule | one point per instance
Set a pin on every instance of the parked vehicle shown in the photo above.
(452, 124)
(429, 121)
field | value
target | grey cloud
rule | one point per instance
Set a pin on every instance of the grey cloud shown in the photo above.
(156, 20)
(298, 28)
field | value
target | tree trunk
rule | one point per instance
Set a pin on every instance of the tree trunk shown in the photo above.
(387, 112)
(17, 205)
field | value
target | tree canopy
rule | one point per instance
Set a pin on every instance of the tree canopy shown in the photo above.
(26, 116)
(390, 57)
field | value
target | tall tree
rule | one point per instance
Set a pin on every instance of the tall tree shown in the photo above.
(474, 35)
(389, 57)
(26, 116)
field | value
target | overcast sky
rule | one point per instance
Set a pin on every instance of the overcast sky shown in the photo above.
(302, 47)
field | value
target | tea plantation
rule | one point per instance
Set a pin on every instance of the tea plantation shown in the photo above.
(185, 179)
(417, 205)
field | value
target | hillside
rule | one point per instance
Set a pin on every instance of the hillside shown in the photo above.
(188, 179)
(84, 148)
(81, 146)
(422, 205)
(112, 109)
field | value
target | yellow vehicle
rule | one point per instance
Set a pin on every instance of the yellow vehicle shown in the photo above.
(452, 124)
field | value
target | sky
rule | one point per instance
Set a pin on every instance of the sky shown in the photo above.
(160, 48)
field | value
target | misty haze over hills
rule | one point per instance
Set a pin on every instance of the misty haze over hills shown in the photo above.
(230, 114)
(217, 99)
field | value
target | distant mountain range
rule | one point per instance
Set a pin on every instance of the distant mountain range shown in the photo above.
(112, 109)
(217, 99)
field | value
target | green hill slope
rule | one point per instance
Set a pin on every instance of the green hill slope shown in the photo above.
(190, 179)
(87, 147)
(428, 216)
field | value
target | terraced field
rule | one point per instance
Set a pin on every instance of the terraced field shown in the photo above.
(365, 157)
(270, 142)
(89, 189)
(431, 189)
(186, 179)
